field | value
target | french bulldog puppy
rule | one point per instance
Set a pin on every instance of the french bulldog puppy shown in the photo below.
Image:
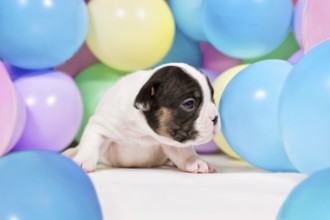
(151, 118)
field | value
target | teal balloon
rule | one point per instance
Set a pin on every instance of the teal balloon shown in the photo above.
(249, 109)
(37, 34)
(187, 16)
(309, 200)
(246, 29)
(45, 185)
(305, 111)
(183, 50)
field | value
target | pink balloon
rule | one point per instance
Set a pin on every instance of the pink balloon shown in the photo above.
(80, 61)
(216, 61)
(54, 111)
(12, 113)
(297, 20)
(316, 23)
(296, 56)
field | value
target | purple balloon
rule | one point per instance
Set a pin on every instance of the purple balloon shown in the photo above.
(296, 56)
(16, 72)
(215, 60)
(297, 20)
(209, 147)
(54, 111)
(211, 74)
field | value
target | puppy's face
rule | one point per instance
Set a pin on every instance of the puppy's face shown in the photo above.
(177, 102)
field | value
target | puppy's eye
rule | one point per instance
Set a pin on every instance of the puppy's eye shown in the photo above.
(189, 104)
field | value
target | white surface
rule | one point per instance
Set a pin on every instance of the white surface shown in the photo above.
(237, 192)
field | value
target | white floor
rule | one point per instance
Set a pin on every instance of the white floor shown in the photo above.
(237, 191)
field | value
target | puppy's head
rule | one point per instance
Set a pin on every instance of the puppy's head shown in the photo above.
(178, 104)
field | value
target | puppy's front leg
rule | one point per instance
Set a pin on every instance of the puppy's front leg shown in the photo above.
(89, 149)
(187, 160)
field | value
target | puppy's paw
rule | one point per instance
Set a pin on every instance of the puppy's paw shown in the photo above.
(197, 165)
(88, 164)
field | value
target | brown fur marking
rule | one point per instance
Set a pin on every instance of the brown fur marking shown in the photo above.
(165, 118)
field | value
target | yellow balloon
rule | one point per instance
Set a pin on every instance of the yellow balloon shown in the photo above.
(219, 86)
(130, 34)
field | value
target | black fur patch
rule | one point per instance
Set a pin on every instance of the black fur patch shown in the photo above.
(168, 88)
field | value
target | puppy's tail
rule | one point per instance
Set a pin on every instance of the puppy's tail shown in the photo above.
(71, 152)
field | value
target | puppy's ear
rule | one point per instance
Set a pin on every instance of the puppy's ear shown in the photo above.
(146, 95)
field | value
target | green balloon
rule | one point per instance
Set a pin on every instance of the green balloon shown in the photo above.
(92, 83)
(288, 47)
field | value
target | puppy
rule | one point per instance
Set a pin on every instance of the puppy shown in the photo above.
(149, 119)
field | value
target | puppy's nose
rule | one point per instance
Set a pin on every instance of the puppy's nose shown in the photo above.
(215, 120)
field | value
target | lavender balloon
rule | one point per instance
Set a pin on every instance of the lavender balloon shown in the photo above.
(16, 72)
(296, 56)
(54, 111)
(297, 20)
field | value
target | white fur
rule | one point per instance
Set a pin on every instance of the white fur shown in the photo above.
(119, 135)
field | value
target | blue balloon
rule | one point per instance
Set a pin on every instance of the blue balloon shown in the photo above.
(305, 111)
(249, 109)
(45, 185)
(38, 34)
(16, 72)
(183, 50)
(187, 15)
(309, 200)
(246, 28)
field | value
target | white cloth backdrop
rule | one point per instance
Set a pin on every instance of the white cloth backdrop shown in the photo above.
(237, 191)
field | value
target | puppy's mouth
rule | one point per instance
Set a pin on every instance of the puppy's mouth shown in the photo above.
(206, 137)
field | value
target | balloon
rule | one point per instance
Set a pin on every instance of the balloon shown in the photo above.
(249, 115)
(209, 147)
(297, 20)
(183, 50)
(316, 20)
(130, 35)
(219, 86)
(284, 51)
(187, 15)
(92, 83)
(40, 34)
(296, 56)
(246, 28)
(304, 115)
(309, 200)
(54, 111)
(12, 113)
(16, 72)
(216, 61)
(45, 185)
(209, 73)
(81, 60)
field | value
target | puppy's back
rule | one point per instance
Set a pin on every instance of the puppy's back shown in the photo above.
(119, 98)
